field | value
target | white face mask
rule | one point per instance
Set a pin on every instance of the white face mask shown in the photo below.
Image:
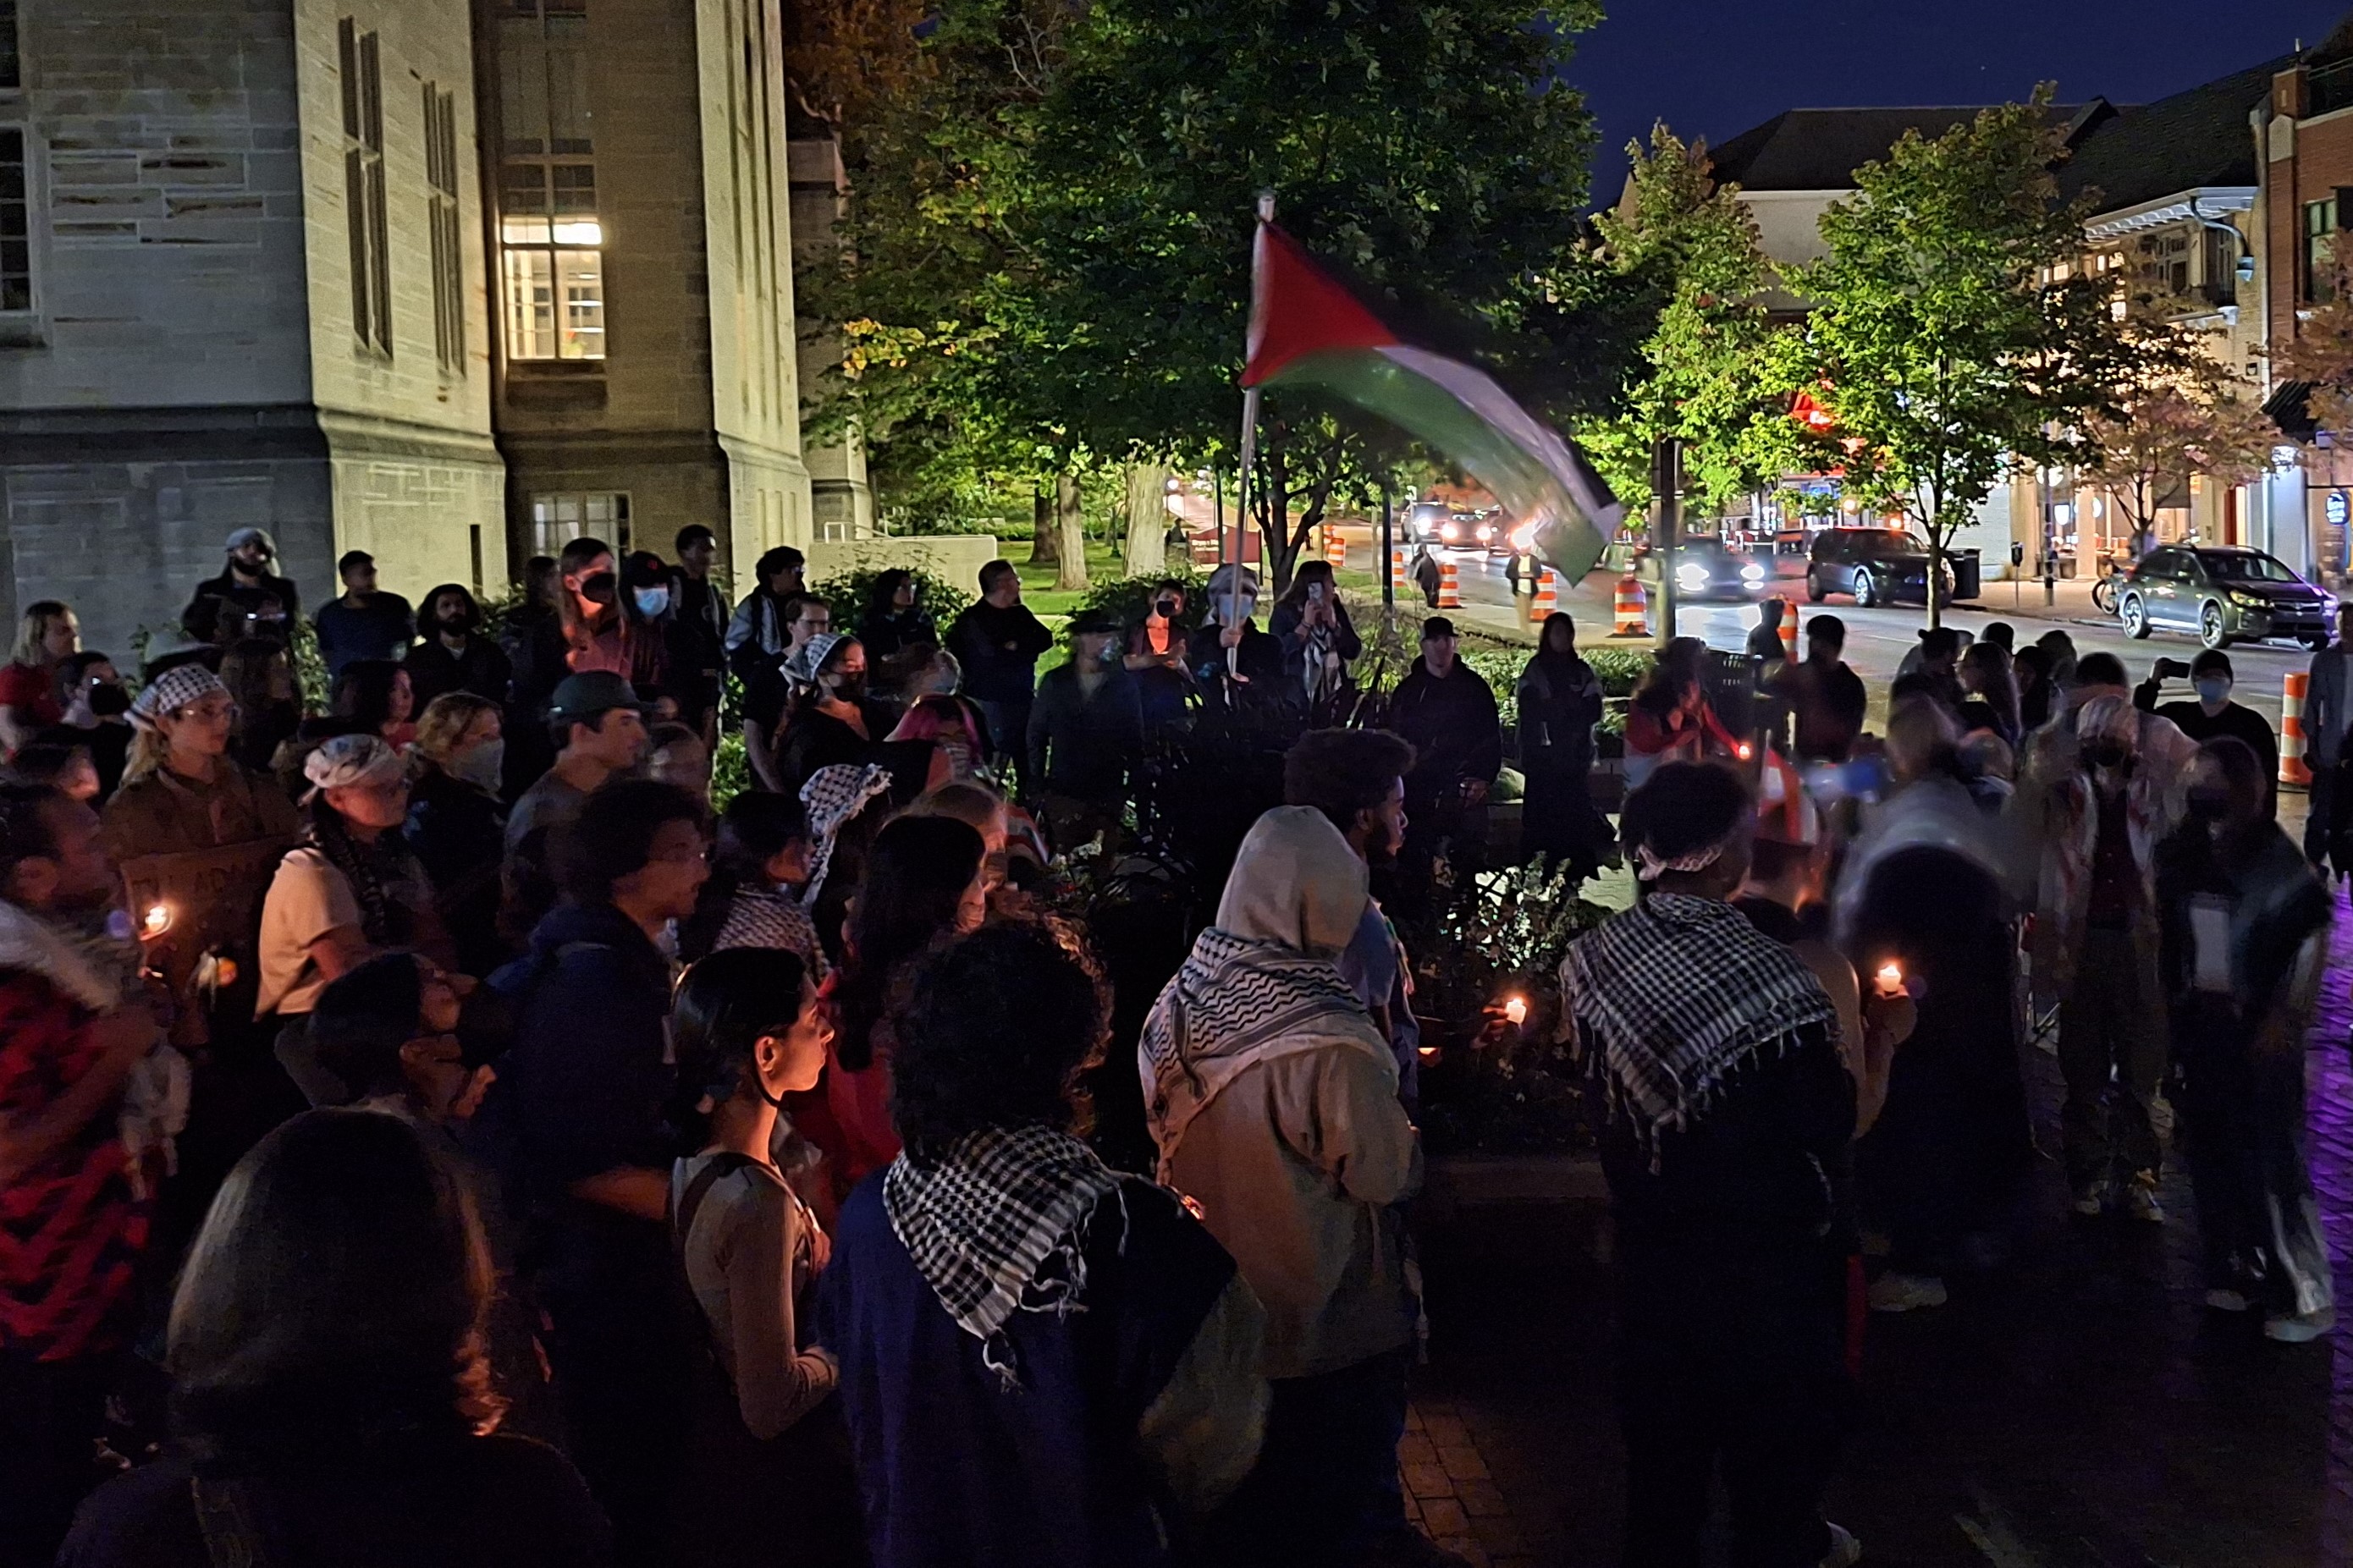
(652, 602)
(483, 766)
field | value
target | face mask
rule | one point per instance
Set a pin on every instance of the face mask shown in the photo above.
(652, 602)
(109, 701)
(2106, 755)
(1244, 608)
(2214, 690)
(483, 767)
(601, 588)
(1166, 609)
(2209, 805)
(851, 689)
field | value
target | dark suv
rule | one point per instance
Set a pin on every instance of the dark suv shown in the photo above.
(2223, 594)
(1877, 565)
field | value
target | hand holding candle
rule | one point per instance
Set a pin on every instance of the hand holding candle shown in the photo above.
(1515, 1008)
(1889, 980)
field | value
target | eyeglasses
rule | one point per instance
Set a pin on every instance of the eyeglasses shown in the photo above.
(214, 712)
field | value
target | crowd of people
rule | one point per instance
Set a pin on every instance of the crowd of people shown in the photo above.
(429, 1134)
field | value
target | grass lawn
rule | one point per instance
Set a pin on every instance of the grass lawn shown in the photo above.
(1037, 590)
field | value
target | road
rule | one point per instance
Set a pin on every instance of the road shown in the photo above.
(1877, 639)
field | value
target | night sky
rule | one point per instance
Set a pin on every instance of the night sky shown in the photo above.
(1714, 67)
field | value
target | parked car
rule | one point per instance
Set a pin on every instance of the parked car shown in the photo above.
(1877, 565)
(1704, 569)
(2221, 594)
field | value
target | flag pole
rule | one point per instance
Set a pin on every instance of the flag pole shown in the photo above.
(1249, 458)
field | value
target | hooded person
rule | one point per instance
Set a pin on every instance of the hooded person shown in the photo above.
(1272, 1099)
(2104, 787)
(1724, 1108)
(1227, 651)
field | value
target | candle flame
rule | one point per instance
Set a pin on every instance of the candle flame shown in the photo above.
(157, 921)
(1516, 1009)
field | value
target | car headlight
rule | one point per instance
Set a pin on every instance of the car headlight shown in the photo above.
(1692, 576)
(1752, 573)
(1485, 533)
(1450, 533)
(1524, 538)
(2246, 601)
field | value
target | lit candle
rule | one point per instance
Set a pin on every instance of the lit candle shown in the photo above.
(1516, 1010)
(1890, 978)
(157, 921)
(1747, 751)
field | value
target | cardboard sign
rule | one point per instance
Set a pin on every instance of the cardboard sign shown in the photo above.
(211, 900)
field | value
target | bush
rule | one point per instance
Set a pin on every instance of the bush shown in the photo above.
(848, 594)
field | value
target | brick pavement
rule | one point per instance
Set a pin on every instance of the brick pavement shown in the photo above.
(2076, 1407)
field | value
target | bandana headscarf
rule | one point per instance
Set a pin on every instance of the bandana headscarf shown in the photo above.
(833, 799)
(349, 760)
(997, 1226)
(805, 666)
(173, 690)
(1673, 996)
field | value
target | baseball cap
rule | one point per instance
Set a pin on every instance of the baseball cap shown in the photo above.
(581, 697)
(1087, 621)
(1437, 626)
(244, 536)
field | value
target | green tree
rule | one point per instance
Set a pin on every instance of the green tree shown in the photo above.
(1952, 334)
(1712, 369)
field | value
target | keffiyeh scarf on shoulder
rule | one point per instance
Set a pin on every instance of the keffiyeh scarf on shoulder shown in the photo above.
(832, 798)
(997, 1226)
(1234, 1003)
(1674, 996)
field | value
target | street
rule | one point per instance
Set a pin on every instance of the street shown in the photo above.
(1876, 639)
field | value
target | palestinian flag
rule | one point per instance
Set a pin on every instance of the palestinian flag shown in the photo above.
(1306, 330)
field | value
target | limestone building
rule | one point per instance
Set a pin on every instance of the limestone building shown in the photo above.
(238, 285)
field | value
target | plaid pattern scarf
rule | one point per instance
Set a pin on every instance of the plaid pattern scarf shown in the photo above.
(1673, 996)
(1232, 1001)
(994, 1228)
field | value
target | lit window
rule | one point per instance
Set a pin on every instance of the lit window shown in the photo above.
(551, 240)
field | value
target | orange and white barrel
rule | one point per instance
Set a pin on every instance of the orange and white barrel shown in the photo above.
(1335, 549)
(2292, 769)
(1546, 600)
(1398, 581)
(1633, 608)
(1450, 585)
(1790, 633)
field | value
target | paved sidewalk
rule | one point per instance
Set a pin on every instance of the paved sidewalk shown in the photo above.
(2076, 1408)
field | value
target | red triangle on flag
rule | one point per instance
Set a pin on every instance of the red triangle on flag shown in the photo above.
(1297, 308)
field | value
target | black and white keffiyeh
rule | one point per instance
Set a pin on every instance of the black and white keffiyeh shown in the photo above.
(831, 799)
(995, 1228)
(1676, 993)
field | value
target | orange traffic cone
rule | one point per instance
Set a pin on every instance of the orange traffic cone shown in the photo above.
(1546, 599)
(1790, 635)
(1633, 608)
(2292, 769)
(1450, 585)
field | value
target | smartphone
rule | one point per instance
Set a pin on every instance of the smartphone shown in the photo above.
(1314, 592)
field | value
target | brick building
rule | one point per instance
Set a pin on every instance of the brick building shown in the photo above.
(229, 294)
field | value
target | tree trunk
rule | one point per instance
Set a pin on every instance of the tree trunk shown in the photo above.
(1147, 521)
(1070, 527)
(1045, 543)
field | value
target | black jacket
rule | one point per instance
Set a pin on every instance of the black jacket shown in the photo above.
(1081, 746)
(483, 669)
(202, 616)
(459, 835)
(1000, 650)
(1456, 731)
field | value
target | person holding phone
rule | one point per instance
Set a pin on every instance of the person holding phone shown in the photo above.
(1318, 642)
(1156, 656)
(2213, 716)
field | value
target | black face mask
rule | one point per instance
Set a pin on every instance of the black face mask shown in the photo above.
(1168, 608)
(601, 589)
(109, 701)
(2106, 755)
(851, 689)
(2210, 804)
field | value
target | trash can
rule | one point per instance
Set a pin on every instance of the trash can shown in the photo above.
(1968, 574)
(1731, 689)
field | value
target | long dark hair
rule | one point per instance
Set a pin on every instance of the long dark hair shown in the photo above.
(580, 630)
(363, 692)
(1678, 670)
(915, 877)
(757, 826)
(1295, 596)
(336, 1294)
(724, 1004)
(884, 590)
(373, 870)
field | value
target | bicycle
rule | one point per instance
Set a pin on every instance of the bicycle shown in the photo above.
(2104, 588)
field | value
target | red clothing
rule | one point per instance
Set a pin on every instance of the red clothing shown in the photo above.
(33, 693)
(847, 1116)
(1691, 737)
(70, 1231)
